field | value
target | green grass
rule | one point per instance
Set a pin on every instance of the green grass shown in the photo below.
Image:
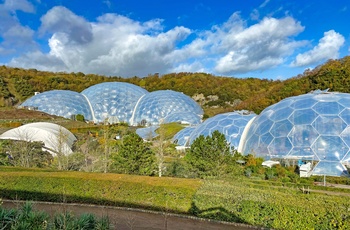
(154, 193)
(263, 203)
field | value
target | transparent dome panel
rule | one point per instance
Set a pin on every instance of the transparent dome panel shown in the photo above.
(280, 147)
(113, 99)
(345, 115)
(329, 125)
(328, 108)
(64, 103)
(281, 114)
(281, 128)
(329, 169)
(330, 148)
(303, 135)
(305, 116)
(305, 153)
(303, 103)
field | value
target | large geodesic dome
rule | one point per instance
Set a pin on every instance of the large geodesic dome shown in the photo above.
(230, 124)
(314, 127)
(64, 103)
(154, 108)
(113, 100)
(56, 138)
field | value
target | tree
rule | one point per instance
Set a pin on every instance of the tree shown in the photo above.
(134, 156)
(210, 156)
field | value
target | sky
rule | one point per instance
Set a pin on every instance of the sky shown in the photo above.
(267, 39)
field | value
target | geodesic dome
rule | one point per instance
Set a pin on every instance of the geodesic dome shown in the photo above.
(184, 118)
(64, 103)
(147, 133)
(113, 100)
(153, 108)
(181, 138)
(230, 124)
(313, 127)
(56, 138)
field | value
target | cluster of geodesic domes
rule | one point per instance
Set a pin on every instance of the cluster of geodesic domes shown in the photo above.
(119, 102)
(314, 127)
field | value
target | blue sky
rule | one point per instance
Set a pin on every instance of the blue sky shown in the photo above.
(273, 39)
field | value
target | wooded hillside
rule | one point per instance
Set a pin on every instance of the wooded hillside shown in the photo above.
(215, 93)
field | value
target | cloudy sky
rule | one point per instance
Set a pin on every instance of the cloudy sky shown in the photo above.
(274, 39)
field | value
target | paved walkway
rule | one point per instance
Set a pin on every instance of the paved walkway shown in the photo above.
(134, 219)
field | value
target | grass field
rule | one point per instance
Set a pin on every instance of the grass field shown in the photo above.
(241, 200)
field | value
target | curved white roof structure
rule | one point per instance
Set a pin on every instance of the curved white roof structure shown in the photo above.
(56, 138)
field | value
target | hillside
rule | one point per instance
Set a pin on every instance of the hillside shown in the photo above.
(215, 93)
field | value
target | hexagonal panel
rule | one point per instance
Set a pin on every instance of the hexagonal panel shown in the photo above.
(328, 108)
(303, 135)
(303, 117)
(345, 115)
(281, 128)
(305, 153)
(329, 125)
(303, 103)
(281, 114)
(330, 148)
(264, 127)
(280, 147)
(345, 135)
(330, 169)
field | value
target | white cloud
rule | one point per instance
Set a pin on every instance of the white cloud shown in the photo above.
(327, 48)
(15, 37)
(258, 47)
(113, 45)
(61, 20)
(117, 45)
(23, 5)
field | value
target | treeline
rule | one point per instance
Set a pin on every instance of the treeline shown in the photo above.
(215, 93)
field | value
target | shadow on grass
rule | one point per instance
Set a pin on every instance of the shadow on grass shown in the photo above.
(216, 213)
(20, 195)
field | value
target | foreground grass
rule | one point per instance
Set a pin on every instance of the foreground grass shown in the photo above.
(172, 194)
(272, 206)
(259, 203)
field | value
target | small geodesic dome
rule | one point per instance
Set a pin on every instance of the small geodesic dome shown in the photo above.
(184, 118)
(230, 124)
(181, 138)
(56, 138)
(314, 127)
(114, 101)
(64, 103)
(154, 108)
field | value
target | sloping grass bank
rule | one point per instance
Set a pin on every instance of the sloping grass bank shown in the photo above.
(171, 194)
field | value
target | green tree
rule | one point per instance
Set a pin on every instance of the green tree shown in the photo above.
(210, 156)
(134, 157)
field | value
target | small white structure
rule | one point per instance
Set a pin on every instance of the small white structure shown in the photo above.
(56, 138)
(270, 163)
(305, 170)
